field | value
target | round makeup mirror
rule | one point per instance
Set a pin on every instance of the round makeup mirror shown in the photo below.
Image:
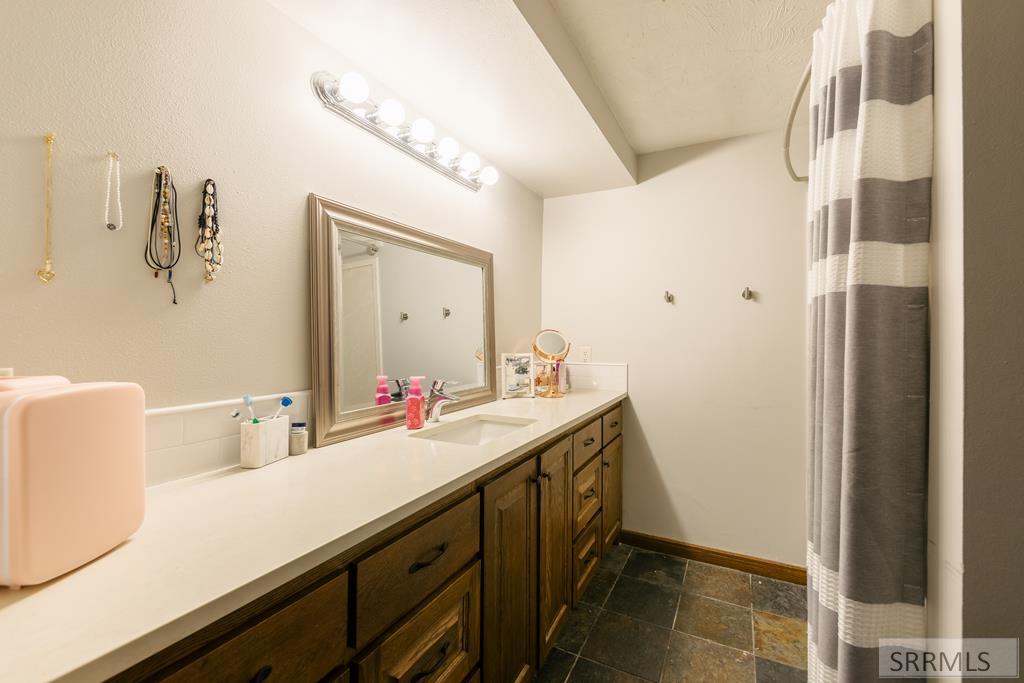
(551, 347)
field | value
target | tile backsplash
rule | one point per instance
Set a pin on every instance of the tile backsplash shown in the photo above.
(183, 441)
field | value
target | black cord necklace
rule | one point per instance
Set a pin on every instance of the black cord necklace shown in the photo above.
(162, 249)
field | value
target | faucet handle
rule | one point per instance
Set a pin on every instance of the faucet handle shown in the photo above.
(439, 385)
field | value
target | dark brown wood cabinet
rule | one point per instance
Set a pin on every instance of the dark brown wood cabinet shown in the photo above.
(510, 569)
(554, 544)
(611, 486)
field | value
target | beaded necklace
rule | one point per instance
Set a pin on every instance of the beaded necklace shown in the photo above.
(208, 244)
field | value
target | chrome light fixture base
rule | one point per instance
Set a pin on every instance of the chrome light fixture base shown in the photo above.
(325, 85)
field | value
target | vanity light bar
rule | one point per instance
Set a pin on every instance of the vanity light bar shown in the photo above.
(349, 98)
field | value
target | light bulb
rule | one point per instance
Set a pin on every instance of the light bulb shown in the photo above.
(422, 130)
(353, 88)
(469, 162)
(447, 148)
(391, 112)
(488, 175)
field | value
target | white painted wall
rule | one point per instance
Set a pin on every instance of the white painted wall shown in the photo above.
(946, 439)
(215, 90)
(715, 426)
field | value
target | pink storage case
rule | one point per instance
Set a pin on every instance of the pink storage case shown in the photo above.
(72, 474)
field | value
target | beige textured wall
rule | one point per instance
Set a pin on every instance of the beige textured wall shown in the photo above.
(715, 425)
(946, 439)
(993, 317)
(210, 89)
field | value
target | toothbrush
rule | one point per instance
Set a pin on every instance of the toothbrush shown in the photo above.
(248, 404)
(285, 402)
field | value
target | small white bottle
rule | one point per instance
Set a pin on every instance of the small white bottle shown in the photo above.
(298, 439)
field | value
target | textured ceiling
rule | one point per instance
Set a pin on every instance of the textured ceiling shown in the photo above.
(679, 72)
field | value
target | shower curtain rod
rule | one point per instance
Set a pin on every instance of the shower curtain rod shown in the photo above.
(789, 124)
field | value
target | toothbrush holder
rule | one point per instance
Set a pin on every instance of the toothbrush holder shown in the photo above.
(265, 441)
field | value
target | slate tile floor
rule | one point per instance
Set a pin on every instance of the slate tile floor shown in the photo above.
(653, 617)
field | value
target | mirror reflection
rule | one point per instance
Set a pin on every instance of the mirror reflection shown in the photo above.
(403, 312)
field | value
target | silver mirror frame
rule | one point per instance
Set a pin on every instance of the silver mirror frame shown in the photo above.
(326, 217)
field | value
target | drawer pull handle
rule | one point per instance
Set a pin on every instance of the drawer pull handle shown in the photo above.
(589, 442)
(590, 493)
(607, 464)
(615, 424)
(262, 675)
(441, 656)
(545, 475)
(434, 557)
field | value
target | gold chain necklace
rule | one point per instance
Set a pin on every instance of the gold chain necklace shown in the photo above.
(45, 274)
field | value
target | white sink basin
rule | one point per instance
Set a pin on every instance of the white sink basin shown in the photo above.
(475, 430)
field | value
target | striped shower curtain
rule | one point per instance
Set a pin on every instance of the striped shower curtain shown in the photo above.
(869, 202)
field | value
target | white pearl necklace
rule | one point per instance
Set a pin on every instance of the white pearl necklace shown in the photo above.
(113, 171)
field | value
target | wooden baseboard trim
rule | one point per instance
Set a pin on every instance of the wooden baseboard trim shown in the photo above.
(723, 558)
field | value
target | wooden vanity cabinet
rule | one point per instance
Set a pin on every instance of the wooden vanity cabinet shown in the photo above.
(510, 574)
(476, 586)
(555, 543)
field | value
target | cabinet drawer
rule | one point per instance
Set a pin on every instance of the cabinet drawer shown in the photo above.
(398, 576)
(586, 495)
(586, 557)
(586, 442)
(440, 642)
(611, 425)
(301, 642)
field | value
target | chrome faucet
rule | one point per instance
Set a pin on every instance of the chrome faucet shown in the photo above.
(437, 398)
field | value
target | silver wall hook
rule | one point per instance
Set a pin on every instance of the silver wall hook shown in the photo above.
(670, 298)
(747, 293)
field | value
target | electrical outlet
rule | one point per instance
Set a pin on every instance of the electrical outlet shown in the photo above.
(585, 354)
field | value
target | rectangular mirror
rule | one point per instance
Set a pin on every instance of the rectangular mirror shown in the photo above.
(388, 299)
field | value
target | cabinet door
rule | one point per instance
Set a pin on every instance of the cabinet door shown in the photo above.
(555, 543)
(612, 489)
(510, 566)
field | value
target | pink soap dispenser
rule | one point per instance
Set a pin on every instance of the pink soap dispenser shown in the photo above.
(414, 405)
(383, 392)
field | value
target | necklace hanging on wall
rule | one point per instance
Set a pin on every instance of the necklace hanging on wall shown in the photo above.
(113, 179)
(163, 248)
(45, 274)
(208, 243)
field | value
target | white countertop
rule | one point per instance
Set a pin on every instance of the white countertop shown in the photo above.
(214, 542)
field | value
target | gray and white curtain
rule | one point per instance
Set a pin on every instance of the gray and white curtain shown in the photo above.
(869, 202)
